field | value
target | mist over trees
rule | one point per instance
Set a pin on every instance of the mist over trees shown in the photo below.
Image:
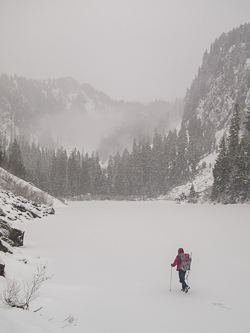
(138, 151)
(152, 167)
(63, 112)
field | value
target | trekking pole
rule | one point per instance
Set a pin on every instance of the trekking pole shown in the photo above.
(171, 278)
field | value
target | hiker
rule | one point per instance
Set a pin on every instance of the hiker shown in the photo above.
(180, 263)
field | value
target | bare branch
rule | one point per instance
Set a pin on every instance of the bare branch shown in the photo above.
(15, 296)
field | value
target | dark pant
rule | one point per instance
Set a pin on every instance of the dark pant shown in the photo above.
(182, 278)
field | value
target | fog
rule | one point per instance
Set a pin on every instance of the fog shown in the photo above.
(132, 50)
(105, 129)
(76, 129)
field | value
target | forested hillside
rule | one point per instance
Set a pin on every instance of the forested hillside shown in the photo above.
(223, 80)
(160, 158)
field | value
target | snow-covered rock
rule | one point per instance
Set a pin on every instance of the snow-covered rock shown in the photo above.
(21, 188)
(17, 209)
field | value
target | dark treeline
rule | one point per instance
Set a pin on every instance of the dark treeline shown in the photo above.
(152, 167)
(232, 168)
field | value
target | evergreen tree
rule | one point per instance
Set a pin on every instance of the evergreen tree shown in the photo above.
(233, 152)
(110, 177)
(241, 178)
(221, 172)
(121, 186)
(247, 122)
(74, 172)
(195, 148)
(146, 159)
(233, 139)
(172, 159)
(125, 164)
(98, 175)
(208, 137)
(182, 171)
(62, 172)
(85, 175)
(192, 198)
(135, 171)
(15, 165)
(53, 180)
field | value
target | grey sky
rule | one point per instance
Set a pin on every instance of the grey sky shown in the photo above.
(138, 50)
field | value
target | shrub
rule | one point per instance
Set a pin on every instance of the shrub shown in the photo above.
(21, 295)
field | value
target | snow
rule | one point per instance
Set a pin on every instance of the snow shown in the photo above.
(111, 269)
(219, 135)
(202, 182)
(247, 65)
(15, 184)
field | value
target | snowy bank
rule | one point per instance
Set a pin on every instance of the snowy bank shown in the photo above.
(20, 187)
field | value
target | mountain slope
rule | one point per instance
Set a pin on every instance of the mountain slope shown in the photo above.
(222, 81)
(63, 112)
(20, 187)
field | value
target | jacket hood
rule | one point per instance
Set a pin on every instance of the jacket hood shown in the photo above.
(180, 250)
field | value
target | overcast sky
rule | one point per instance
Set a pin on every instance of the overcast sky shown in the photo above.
(138, 50)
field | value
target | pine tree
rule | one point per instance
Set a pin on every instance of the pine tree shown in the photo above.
(15, 164)
(234, 129)
(135, 171)
(241, 179)
(182, 171)
(221, 172)
(233, 153)
(192, 198)
(110, 177)
(62, 172)
(54, 186)
(172, 159)
(74, 171)
(85, 175)
(97, 176)
(195, 147)
(146, 159)
(121, 186)
(247, 122)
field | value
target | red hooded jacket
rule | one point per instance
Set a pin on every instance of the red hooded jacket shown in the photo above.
(178, 259)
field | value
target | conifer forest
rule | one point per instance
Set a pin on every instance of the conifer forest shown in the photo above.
(163, 143)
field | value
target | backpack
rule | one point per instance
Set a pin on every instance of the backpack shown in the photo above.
(185, 261)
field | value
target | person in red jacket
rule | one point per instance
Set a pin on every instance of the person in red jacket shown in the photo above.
(182, 273)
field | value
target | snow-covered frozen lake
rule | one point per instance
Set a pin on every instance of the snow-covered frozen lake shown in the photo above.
(111, 268)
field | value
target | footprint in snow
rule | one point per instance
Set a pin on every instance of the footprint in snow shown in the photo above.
(218, 304)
